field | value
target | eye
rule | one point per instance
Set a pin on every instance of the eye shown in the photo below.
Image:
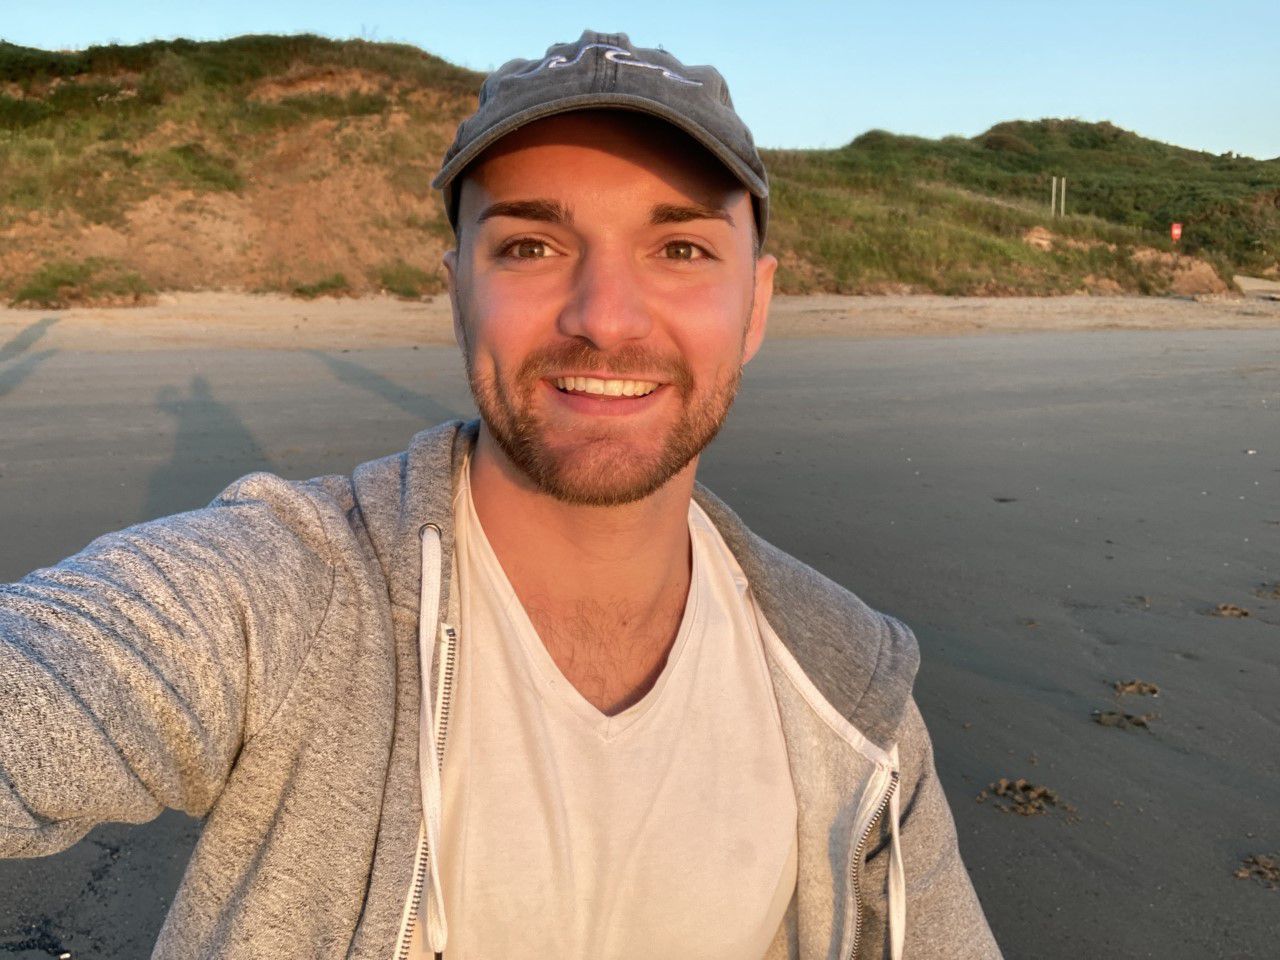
(526, 248)
(683, 250)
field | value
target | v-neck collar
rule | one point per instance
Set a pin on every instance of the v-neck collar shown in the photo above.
(557, 689)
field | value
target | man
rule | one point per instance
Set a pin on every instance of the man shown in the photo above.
(524, 687)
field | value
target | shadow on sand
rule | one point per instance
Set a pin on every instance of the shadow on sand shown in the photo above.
(12, 374)
(211, 447)
(418, 405)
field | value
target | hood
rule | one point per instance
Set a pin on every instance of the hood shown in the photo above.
(862, 661)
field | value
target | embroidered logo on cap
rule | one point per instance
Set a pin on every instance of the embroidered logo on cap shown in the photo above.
(614, 54)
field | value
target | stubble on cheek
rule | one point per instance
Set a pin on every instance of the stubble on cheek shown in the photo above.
(597, 464)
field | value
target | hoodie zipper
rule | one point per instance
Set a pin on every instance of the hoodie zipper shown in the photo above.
(448, 663)
(415, 898)
(444, 694)
(855, 868)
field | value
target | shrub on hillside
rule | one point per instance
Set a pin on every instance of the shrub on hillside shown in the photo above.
(1008, 143)
(61, 283)
(405, 280)
(334, 285)
(194, 165)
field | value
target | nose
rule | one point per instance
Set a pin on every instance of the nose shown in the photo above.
(607, 305)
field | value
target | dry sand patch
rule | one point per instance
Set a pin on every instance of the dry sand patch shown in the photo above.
(277, 322)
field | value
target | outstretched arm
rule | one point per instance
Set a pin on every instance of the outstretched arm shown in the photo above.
(132, 673)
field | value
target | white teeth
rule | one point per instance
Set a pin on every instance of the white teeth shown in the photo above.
(607, 388)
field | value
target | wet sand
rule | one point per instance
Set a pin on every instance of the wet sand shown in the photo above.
(1052, 508)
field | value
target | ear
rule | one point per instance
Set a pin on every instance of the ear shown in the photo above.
(450, 260)
(765, 268)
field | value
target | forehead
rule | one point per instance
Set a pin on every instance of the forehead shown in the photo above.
(606, 149)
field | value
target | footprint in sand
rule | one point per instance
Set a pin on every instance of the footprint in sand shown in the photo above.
(1117, 718)
(1265, 870)
(1139, 688)
(1024, 798)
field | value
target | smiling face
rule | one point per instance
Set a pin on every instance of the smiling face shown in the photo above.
(606, 295)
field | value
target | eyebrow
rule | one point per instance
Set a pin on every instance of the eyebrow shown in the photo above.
(551, 211)
(546, 211)
(683, 213)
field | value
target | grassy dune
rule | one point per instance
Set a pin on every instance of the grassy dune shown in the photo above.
(952, 215)
(302, 165)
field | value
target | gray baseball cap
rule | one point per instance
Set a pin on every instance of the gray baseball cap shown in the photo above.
(604, 70)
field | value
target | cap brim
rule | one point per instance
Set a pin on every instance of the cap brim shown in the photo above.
(754, 183)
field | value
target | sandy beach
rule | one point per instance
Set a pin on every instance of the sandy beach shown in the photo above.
(275, 322)
(1074, 502)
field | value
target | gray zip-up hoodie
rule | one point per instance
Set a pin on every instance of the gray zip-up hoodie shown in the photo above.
(256, 663)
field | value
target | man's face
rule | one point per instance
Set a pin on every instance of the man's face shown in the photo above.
(606, 295)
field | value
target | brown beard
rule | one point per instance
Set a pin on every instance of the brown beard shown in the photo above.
(506, 406)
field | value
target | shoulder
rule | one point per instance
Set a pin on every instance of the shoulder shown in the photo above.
(313, 511)
(861, 660)
(385, 492)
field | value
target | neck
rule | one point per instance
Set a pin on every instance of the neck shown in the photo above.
(566, 553)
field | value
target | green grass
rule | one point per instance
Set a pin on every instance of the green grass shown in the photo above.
(174, 65)
(949, 215)
(61, 283)
(193, 165)
(934, 237)
(334, 285)
(68, 140)
(1229, 205)
(255, 117)
(405, 280)
(95, 132)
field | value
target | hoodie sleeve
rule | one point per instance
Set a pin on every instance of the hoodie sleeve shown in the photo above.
(132, 673)
(943, 916)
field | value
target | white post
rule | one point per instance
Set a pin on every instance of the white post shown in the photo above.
(1063, 196)
(1053, 198)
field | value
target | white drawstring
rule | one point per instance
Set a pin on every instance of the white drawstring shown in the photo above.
(897, 873)
(428, 760)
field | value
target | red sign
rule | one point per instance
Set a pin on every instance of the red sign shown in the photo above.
(1175, 231)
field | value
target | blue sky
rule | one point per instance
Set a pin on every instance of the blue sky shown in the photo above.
(811, 73)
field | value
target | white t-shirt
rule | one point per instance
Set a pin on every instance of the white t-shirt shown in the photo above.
(666, 830)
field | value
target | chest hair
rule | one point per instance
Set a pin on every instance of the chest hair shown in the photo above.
(612, 653)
